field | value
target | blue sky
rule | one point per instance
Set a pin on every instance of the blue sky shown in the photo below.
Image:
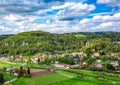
(59, 16)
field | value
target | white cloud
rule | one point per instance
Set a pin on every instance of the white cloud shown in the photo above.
(84, 21)
(109, 2)
(41, 12)
(107, 18)
(106, 1)
(16, 19)
(13, 17)
(67, 4)
(56, 17)
(103, 13)
(6, 30)
(117, 15)
(22, 6)
(99, 23)
(76, 10)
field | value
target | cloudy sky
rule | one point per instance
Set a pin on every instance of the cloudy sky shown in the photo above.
(59, 16)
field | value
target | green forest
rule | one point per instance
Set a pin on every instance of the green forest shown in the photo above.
(31, 43)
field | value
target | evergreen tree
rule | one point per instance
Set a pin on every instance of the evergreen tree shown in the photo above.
(21, 72)
(38, 60)
(28, 71)
(1, 79)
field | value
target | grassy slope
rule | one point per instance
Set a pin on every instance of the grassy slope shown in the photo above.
(65, 78)
(58, 77)
(40, 80)
(9, 64)
(85, 81)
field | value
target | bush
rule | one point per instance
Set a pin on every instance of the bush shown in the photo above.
(1, 79)
(20, 74)
(28, 71)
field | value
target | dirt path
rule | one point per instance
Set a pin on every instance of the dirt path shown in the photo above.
(37, 73)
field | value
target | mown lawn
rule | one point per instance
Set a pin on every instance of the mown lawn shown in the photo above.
(67, 78)
(4, 64)
(85, 81)
(65, 73)
(41, 80)
(9, 64)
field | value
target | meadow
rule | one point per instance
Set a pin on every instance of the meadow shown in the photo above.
(85, 81)
(10, 64)
(67, 78)
(41, 80)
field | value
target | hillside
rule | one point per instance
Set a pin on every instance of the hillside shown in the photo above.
(114, 36)
(4, 37)
(30, 43)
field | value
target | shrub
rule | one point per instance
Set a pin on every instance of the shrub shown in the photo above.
(20, 73)
(1, 79)
(28, 71)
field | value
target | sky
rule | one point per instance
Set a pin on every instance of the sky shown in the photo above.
(59, 16)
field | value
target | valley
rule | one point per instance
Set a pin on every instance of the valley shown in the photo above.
(42, 58)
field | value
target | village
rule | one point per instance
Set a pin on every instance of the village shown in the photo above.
(77, 59)
(78, 62)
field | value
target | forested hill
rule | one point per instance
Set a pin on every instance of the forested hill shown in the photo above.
(30, 43)
(4, 37)
(114, 36)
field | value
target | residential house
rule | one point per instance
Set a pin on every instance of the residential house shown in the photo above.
(96, 54)
(98, 60)
(79, 54)
(114, 63)
(98, 65)
(115, 54)
(35, 60)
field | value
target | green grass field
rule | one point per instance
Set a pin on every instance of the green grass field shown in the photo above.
(9, 64)
(62, 77)
(41, 80)
(85, 81)
(59, 76)
(65, 78)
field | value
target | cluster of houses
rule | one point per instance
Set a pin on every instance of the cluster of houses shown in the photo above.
(75, 59)
(98, 62)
